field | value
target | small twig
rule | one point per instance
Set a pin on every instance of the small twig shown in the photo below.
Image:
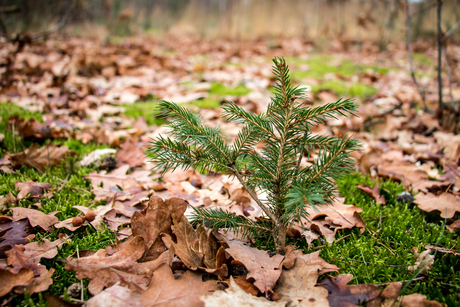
(449, 33)
(81, 281)
(448, 75)
(382, 264)
(390, 282)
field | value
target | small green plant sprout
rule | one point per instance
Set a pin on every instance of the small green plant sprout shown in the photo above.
(284, 131)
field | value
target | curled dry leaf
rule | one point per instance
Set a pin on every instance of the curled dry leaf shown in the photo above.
(165, 290)
(373, 192)
(342, 295)
(30, 189)
(10, 280)
(261, 267)
(35, 217)
(45, 249)
(423, 261)
(12, 233)
(297, 285)
(131, 153)
(39, 158)
(328, 219)
(447, 203)
(390, 297)
(154, 220)
(17, 260)
(292, 255)
(235, 296)
(116, 296)
(105, 271)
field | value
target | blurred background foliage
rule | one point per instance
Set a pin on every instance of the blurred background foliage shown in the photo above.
(358, 20)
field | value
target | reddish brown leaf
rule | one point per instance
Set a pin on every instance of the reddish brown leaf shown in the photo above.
(165, 290)
(39, 158)
(373, 192)
(46, 249)
(261, 267)
(105, 271)
(340, 294)
(155, 219)
(30, 189)
(35, 217)
(446, 203)
(12, 233)
(10, 280)
(297, 285)
(130, 153)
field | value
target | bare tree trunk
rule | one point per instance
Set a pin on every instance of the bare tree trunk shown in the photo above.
(409, 51)
(439, 54)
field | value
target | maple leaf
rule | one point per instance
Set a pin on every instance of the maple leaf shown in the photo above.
(235, 296)
(342, 295)
(35, 217)
(165, 290)
(447, 203)
(39, 158)
(297, 285)
(373, 192)
(260, 266)
(30, 189)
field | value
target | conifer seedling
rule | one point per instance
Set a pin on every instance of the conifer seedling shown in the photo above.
(284, 130)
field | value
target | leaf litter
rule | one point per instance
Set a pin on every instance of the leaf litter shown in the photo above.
(400, 144)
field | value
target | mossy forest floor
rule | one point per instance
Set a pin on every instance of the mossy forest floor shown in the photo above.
(380, 255)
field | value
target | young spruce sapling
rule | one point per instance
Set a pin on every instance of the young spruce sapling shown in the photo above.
(284, 131)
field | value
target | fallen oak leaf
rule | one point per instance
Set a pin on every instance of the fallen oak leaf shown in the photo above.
(30, 189)
(156, 219)
(260, 266)
(35, 217)
(235, 296)
(12, 233)
(106, 271)
(297, 285)
(423, 261)
(17, 260)
(116, 296)
(11, 280)
(390, 296)
(343, 295)
(373, 192)
(39, 158)
(46, 249)
(165, 290)
(447, 203)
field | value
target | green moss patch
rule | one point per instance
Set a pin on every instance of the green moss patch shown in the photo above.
(223, 90)
(346, 89)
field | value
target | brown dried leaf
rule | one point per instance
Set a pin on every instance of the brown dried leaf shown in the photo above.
(12, 233)
(35, 217)
(165, 290)
(328, 219)
(235, 296)
(373, 192)
(261, 267)
(17, 260)
(10, 280)
(106, 271)
(311, 259)
(46, 249)
(130, 153)
(30, 189)
(447, 203)
(39, 158)
(116, 296)
(391, 294)
(297, 285)
(342, 295)
(156, 219)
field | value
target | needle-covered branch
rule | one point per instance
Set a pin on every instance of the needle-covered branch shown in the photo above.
(275, 168)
